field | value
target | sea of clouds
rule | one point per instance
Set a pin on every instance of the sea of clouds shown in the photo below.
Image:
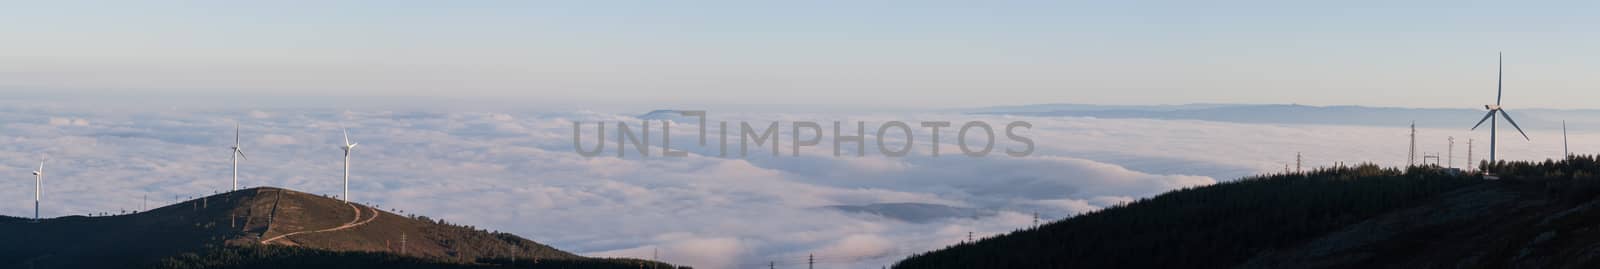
(518, 172)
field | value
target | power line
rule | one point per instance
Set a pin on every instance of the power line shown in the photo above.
(1411, 156)
(1469, 154)
(1297, 162)
(1452, 152)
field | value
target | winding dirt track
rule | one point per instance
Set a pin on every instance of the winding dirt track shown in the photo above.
(356, 222)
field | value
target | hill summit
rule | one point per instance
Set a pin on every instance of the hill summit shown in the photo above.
(263, 226)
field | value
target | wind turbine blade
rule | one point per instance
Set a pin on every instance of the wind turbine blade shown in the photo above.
(235, 133)
(241, 154)
(1514, 124)
(41, 167)
(1500, 77)
(1485, 118)
(346, 136)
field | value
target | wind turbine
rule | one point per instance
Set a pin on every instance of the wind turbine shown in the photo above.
(1499, 92)
(347, 148)
(237, 153)
(38, 180)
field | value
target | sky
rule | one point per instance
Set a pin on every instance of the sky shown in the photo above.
(876, 54)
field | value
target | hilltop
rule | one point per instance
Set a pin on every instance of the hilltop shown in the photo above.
(255, 227)
(1539, 215)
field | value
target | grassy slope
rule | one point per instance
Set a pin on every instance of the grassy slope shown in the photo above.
(242, 219)
(267, 256)
(423, 237)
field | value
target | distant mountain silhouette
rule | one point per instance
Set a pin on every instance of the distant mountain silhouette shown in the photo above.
(914, 212)
(1462, 118)
(1538, 215)
(668, 114)
(258, 226)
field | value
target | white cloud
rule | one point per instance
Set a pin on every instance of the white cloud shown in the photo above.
(68, 122)
(859, 245)
(277, 139)
(710, 251)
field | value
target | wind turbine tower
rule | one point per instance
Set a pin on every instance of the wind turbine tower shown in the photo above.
(38, 180)
(1492, 117)
(238, 152)
(1565, 152)
(347, 148)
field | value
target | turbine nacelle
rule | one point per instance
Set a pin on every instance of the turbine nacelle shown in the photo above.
(1492, 107)
(347, 145)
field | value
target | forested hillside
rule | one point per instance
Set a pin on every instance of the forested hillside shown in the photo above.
(1213, 226)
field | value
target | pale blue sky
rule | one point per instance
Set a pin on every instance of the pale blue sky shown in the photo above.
(892, 53)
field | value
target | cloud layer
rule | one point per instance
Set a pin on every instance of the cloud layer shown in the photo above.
(518, 172)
